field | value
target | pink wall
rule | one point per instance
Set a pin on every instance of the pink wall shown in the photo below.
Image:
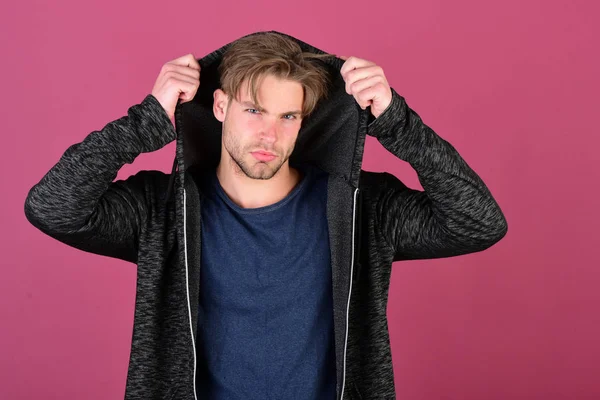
(513, 85)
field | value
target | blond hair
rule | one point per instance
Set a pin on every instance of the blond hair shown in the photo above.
(251, 58)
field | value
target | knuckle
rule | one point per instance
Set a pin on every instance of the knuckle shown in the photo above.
(166, 69)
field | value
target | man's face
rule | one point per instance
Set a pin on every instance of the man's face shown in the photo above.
(260, 140)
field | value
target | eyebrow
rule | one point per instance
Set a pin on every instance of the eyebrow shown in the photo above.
(252, 105)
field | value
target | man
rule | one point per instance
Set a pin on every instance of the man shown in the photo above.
(264, 259)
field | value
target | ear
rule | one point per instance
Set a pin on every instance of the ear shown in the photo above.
(220, 104)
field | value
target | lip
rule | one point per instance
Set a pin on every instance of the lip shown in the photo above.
(264, 156)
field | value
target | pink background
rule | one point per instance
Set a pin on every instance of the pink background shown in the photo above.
(512, 84)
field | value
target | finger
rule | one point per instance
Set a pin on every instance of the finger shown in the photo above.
(366, 83)
(343, 57)
(368, 96)
(361, 101)
(187, 91)
(187, 61)
(353, 63)
(176, 78)
(183, 70)
(357, 74)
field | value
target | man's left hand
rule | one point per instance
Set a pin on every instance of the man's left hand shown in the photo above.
(367, 83)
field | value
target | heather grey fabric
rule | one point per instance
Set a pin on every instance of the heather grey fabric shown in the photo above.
(373, 218)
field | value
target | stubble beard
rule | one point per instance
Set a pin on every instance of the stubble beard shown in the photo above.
(253, 169)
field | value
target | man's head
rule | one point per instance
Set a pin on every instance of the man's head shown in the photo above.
(268, 85)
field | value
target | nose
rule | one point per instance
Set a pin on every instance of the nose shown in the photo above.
(269, 131)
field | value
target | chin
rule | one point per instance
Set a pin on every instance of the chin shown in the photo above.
(258, 170)
(262, 172)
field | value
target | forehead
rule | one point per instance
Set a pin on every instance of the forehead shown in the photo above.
(274, 93)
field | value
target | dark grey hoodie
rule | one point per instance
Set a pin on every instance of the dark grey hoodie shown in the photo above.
(153, 219)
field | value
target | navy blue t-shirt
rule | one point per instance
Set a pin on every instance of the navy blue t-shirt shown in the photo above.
(265, 326)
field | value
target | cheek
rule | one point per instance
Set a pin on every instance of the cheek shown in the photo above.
(289, 132)
(251, 125)
(242, 128)
(247, 127)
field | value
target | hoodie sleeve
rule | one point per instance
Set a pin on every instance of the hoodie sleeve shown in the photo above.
(77, 202)
(455, 214)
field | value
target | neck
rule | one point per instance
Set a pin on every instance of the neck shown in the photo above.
(254, 193)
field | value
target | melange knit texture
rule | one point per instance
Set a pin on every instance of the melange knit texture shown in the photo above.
(373, 220)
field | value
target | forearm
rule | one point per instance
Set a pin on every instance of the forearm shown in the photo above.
(66, 197)
(460, 202)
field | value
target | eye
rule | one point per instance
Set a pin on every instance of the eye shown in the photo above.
(289, 117)
(252, 111)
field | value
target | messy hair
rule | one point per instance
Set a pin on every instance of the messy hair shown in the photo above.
(251, 58)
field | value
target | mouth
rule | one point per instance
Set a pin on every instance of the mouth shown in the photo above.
(264, 156)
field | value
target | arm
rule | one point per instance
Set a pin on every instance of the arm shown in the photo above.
(77, 201)
(455, 214)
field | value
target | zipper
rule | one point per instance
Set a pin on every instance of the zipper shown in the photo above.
(349, 290)
(187, 287)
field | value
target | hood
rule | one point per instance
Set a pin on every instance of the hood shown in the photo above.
(331, 138)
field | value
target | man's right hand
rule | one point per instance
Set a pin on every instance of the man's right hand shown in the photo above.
(178, 79)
